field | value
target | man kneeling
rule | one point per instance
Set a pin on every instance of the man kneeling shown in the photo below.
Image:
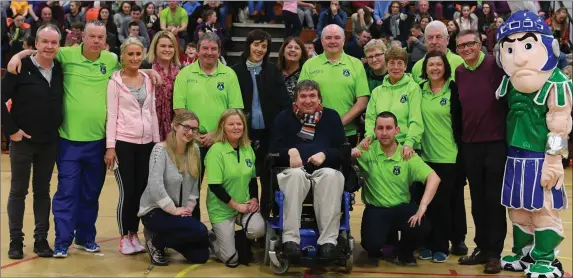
(309, 138)
(386, 194)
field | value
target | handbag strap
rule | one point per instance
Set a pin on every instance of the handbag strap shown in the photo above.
(228, 262)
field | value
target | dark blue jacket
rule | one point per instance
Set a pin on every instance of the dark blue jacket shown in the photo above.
(329, 138)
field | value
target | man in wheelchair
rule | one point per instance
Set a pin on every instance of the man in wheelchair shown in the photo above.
(386, 193)
(309, 139)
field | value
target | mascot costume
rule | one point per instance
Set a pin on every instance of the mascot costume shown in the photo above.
(539, 97)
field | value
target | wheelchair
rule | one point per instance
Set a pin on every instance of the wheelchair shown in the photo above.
(309, 233)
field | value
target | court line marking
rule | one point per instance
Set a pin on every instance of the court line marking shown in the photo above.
(184, 271)
(509, 250)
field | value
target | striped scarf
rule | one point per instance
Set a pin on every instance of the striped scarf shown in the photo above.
(308, 121)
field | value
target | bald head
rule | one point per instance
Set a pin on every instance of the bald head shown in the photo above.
(332, 30)
(332, 39)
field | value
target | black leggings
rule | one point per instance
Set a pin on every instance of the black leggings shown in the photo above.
(131, 176)
(293, 27)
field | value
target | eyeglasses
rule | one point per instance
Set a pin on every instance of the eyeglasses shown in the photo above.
(375, 56)
(466, 44)
(186, 128)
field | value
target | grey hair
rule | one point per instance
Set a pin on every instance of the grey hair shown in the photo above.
(436, 24)
(334, 27)
(48, 26)
(211, 37)
(130, 41)
(375, 44)
(467, 32)
(307, 85)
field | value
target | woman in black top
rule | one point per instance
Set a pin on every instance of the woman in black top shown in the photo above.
(264, 95)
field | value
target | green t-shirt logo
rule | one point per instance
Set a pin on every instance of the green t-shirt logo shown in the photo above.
(221, 86)
(396, 170)
(249, 162)
(346, 72)
(444, 101)
(102, 68)
(404, 98)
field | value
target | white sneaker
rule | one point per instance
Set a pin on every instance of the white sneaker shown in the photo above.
(125, 246)
(136, 244)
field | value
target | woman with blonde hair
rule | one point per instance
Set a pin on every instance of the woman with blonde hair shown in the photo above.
(130, 99)
(233, 190)
(172, 192)
(163, 57)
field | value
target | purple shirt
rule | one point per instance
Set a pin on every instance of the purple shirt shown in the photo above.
(483, 116)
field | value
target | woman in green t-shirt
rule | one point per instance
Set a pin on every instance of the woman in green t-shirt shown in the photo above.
(232, 197)
(441, 113)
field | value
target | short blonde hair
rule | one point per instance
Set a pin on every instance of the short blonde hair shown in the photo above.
(375, 44)
(220, 135)
(153, 46)
(130, 41)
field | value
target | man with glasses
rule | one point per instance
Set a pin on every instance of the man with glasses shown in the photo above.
(436, 37)
(81, 169)
(342, 80)
(483, 149)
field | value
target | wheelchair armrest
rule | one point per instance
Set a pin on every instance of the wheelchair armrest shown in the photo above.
(354, 179)
(271, 158)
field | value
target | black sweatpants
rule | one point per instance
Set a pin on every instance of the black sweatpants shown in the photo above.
(458, 209)
(185, 235)
(485, 164)
(260, 140)
(131, 176)
(25, 156)
(439, 212)
(293, 26)
(377, 222)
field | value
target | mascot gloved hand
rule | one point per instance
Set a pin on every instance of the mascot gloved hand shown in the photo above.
(539, 97)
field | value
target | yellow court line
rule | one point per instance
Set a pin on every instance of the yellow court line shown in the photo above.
(184, 271)
(509, 250)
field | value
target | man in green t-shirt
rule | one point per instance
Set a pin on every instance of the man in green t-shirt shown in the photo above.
(174, 19)
(81, 169)
(386, 194)
(342, 79)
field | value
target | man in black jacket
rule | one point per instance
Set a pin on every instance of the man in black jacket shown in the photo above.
(33, 123)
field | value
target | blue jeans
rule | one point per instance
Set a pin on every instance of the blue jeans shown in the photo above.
(562, 61)
(255, 6)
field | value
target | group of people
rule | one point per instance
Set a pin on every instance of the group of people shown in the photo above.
(418, 136)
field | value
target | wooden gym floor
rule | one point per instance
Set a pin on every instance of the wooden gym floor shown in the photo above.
(110, 263)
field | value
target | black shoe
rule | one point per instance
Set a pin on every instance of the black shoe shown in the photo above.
(459, 249)
(327, 251)
(42, 248)
(406, 260)
(477, 257)
(156, 255)
(291, 250)
(16, 250)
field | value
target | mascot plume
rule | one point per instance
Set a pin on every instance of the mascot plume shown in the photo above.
(539, 96)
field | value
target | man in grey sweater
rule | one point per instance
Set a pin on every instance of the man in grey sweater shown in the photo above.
(135, 17)
(416, 46)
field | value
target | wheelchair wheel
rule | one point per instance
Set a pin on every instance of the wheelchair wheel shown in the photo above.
(282, 269)
(349, 264)
(269, 233)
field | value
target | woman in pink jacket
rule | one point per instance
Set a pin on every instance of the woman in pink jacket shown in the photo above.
(132, 130)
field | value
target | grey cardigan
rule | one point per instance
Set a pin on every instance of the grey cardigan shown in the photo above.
(166, 187)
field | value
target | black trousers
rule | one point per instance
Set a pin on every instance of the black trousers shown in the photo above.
(260, 140)
(185, 235)
(485, 164)
(458, 209)
(293, 27)
(439, 212)
(23, 155)
(378, 222)
(131, 176)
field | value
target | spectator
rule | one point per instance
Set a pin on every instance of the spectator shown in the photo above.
(355, 48)
(29, 43)
(560, 27)
(467, 20)
(46, 18)
(344, 88)
(334, 15)
(122, 15)
(381, 9)
(387, 196)
(172, 192)
(33, 124)
(134, 33)
(20, 7)
(174, 19)
(17, 33)
(309, 49)
(422, 10)
(293, 24)
(163, 57)
(57, 12)
(111, 29)
(416, 45)
(136, 18)
(151, 20)
(264, 92)
(195, 86)
(314, 134)
(74, 15)
(196, 17)
(424, 21)
(361, 20)
(396, 25)
(305, 11)
(209, 23)
(75, 36)
(129, 146)
(453, 30)
(491, 31)
(292, 56)
(233, 190)
(486, 17)
(368, 5)
(190, 54)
